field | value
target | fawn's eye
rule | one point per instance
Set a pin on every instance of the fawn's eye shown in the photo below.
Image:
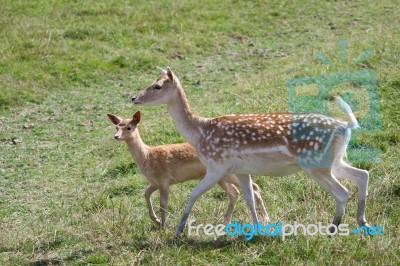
(128, 128)
(157, 87)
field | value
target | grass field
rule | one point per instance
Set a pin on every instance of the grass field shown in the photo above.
(70, 194)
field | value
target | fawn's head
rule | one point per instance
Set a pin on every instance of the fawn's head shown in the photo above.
(162, 91)
(125, 127)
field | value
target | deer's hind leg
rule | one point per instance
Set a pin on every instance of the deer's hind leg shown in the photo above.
(325, 178)
(360, 177)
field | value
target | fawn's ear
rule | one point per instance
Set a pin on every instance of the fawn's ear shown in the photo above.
(171, 75)
(136, 118)
(114, 119)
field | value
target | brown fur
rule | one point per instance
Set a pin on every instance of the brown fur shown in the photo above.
(270, 144)
(166, 165)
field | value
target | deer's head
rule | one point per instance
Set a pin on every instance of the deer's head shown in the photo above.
(125, 127)
(162, 91)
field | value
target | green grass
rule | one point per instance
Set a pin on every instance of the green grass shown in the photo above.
(69, 194)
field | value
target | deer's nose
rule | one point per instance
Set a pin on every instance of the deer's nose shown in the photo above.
(116, 137)
(134, 98)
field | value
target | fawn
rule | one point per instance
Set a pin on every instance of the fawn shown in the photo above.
(274, 144)
(166, 165)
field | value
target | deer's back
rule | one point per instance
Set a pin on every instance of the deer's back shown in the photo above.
(174, 163)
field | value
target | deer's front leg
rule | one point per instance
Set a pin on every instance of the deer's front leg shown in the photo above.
(247, 187)
(147, 195)
(212, 177)
(164, 194)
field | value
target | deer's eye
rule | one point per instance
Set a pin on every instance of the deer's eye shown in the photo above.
(157, 87)
(128, 128)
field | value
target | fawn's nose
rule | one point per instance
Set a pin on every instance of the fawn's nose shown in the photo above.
(134, 98)
(116, 137)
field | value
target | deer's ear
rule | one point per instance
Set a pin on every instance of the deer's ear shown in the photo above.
(114, 119)
(171, 75)
(136, 118)
(162, 71)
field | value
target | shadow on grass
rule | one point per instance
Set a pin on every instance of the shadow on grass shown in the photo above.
(61, 261)
(143, 243)
(220, 243)
(124, 190)
(121, 171)
(395, 191)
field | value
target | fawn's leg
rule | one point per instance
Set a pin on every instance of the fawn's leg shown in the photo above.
(260, 203)
(147, 194)
(164, 194)
(233, 195)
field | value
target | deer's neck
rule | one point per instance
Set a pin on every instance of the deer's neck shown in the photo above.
(138, 149)
(187, 123)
